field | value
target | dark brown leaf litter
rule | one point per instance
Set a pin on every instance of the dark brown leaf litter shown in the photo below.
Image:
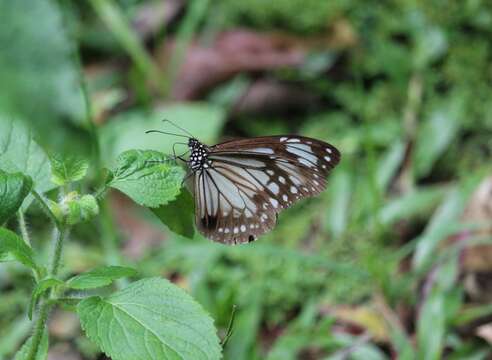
(243, 51)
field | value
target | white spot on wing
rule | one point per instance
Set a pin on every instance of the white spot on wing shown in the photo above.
(283, 139)
(243, 228)
(327, 158)
(274, 202)
(281, 179)
(273, 188)
(285, 197)
(293, 140)
(236, 230)
(328, 150)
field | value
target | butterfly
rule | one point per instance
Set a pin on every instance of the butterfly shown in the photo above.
(240, 186)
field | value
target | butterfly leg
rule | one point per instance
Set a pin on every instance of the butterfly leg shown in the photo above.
(180, 157)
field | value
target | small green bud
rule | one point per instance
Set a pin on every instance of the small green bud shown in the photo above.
(77, 209)
(89, 207)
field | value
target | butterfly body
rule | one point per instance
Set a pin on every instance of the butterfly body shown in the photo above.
(241, 185)
(199, 155)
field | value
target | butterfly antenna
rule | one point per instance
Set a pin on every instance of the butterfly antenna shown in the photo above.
(179, 127)
(165, 133)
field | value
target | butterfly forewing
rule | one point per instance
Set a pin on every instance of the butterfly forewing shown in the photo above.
(250, 181)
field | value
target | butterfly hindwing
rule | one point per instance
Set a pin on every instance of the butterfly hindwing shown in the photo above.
(250, 181)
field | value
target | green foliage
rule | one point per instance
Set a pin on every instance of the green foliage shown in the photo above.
(42, 352)
(13, 190)
(148, 319)
(436, 134)
(150, 178)
(440, 224)
(74, 208)
(127, 131)
(406, 98)
(38, 78)
(12, 247)
(41, 287)
(65, 170)
(431, 327)
(178, 215)
(102, 276)
(305, 16)
(20, 153)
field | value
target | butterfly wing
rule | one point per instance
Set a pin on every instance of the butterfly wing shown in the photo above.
(251, 180)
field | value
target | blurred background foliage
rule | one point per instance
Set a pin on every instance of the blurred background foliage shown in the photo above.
(394, 260)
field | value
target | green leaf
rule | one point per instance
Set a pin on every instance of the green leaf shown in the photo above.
(444, 221)
(39, 290)
(20, 153)
(150, 319)
(67, 169)
(431, 327)
(13, 190)
(42, 353)
(38, 78)
(415, 203)
(339, 193)
(99, 277)
(12, 247)
(128, 130)
(178, 215)
(436, 134)
(148, 177)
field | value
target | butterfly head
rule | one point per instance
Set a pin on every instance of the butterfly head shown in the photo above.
(199, 155)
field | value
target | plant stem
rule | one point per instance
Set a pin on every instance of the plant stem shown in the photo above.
(112, 16)
(58, 237)
(39, 326)
(23, 228)
(46, 208)
(59, 234)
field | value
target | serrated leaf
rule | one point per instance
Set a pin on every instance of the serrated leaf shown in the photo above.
(127, 131)
(12, 247)
(67, 169)
(99, 277)
(178, 215)
(39, 290)
(148, 177)
(13, 190)
(150, 319)
(20, 153)
(42, 353)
